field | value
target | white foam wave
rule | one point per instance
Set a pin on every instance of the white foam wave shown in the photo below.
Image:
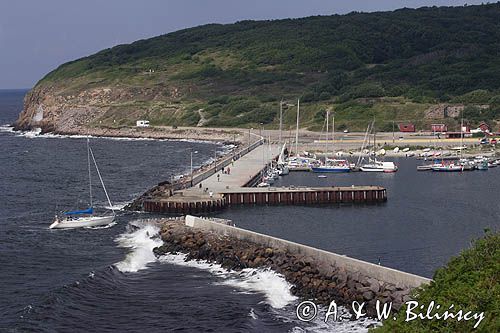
(36, 133)
(141, 243)
(265, 281)
(6, 128)
(102, 226)
(273, 285)
(31, 134)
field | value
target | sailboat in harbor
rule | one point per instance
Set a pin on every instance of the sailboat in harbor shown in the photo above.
(451, 166)
(297, 162)
(331, 165)
(375, 165)
(85, 217)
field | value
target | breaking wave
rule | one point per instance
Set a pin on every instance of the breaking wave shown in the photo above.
(141, 243)
(273, 285)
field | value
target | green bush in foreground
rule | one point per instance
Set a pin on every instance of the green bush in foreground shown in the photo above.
(470, 282)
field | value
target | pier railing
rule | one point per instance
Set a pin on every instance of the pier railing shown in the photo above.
(217, 165)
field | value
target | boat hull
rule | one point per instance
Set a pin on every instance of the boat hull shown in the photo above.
(370, 169)
(447, 169)
(387, 167)
(82, 222)
(330, 170)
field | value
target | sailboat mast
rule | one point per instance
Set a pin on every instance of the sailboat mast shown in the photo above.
(100, 178)
(461, 136)
(327, 129)
(90, 177)
(281, 120)
(333, 133)
(297, 130)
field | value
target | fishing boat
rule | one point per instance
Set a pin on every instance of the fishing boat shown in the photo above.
(85, 217)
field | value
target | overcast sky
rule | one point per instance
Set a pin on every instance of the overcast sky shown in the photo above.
(36, 36)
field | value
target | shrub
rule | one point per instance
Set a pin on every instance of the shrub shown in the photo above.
(470, 282)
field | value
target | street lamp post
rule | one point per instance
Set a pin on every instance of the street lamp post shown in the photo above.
(262, 139)
(393, 138)
(215, 159)
(195, 152)
(249, 139)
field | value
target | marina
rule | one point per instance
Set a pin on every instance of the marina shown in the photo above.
(234, 185)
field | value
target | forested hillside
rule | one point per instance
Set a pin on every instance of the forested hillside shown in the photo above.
(394, 66)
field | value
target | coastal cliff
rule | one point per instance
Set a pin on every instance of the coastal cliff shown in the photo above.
(408, 65)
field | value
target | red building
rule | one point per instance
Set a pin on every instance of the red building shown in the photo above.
(439, 128)
(484, 127)
(406, 127)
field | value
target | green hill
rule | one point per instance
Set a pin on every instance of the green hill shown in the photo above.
(469, 282)
(389, 65)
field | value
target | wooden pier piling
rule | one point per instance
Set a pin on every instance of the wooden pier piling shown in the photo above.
(266, 196)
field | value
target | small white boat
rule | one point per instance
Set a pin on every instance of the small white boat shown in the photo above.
(281, 165)
(378, 166)
(442, 167)
(322, 176)
(406, 150)
(85, 218)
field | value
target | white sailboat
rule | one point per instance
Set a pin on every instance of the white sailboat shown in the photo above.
(297, 162)
(282, 165)
(375, 165)
(86, 217)
(331, 165)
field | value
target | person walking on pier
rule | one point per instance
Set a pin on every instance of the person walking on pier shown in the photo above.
(218, 177)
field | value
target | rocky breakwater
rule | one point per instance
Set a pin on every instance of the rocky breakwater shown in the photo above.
(310, 279)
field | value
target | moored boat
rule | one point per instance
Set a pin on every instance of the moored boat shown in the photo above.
(451, 167)
(379, 166)
(332, 166)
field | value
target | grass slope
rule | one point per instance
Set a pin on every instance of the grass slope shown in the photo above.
(388, 65)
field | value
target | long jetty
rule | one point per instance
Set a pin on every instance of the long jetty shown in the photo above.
(212, 190)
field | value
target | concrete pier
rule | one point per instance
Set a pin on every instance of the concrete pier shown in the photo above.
(324, 258)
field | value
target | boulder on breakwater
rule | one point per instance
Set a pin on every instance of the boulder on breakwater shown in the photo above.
(310, 279)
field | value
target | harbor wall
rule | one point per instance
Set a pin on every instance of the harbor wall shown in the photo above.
(324, 258)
